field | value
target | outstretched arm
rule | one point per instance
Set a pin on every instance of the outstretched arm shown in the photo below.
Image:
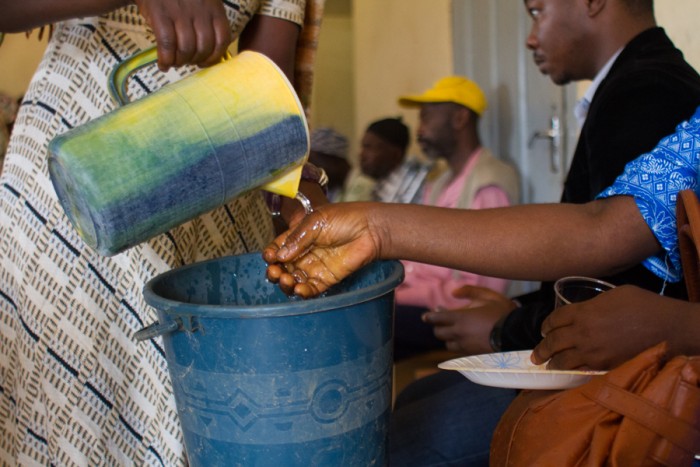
(274, 37)
(529, 242)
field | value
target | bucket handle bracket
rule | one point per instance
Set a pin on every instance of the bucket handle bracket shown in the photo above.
(157, 329)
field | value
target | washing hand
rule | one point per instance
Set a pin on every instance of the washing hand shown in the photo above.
(321, 249)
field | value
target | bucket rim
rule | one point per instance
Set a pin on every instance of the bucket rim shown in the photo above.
(293, 307)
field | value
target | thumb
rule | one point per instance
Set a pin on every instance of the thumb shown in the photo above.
(474, 292)
(438, 317)
(294, 242)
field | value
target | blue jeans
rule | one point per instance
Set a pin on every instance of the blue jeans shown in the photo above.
(445, 420)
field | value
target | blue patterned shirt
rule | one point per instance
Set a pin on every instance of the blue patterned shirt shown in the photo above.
(654, 180)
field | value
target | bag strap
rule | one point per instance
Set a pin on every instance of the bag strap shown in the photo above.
(688, 219)
(645, 412)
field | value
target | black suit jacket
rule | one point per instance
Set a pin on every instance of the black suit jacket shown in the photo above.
(648, 91)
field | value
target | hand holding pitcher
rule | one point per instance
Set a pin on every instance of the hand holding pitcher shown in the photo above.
(195, 33)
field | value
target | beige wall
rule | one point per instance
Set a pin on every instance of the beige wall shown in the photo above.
(19, 56)
(680, 19)
(370, 53)
(333, 102)
(401, 46)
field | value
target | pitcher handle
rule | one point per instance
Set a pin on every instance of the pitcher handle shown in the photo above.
(121, 72)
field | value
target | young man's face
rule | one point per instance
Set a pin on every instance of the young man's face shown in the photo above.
(558, 38)
(378, 157)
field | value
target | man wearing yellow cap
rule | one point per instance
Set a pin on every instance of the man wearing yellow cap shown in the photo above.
(474, 179)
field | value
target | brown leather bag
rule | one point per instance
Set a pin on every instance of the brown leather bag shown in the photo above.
(645, 412)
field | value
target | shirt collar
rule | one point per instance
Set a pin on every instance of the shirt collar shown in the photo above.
(581, 108)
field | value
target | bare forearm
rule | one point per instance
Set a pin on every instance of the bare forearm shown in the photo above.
(530, 242)
(22, 15)
(274, 37)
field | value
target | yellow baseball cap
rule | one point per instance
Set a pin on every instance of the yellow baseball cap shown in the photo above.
(457, 89)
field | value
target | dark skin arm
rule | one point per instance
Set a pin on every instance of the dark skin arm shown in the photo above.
(274, 37)
(277, 39)
(603, 332)
(529, 242)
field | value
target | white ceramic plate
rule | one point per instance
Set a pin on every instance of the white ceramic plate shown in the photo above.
(515, 370)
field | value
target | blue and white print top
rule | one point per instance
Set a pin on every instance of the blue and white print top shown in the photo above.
(654, 180)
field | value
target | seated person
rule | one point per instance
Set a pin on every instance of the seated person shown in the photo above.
(386, 173)
(474, 179)
(630, 223)
(329, 151)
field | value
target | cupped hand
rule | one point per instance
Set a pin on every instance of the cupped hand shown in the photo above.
(188, 32)
(603, 332)
(467, 329)
(321, 250)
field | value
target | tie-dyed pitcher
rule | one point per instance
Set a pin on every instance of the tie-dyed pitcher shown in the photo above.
(188, 148)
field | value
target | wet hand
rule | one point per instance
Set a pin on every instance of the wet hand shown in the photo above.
(321, 250)
(188, 32)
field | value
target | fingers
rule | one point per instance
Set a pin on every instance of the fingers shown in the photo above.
(438, 317)
(166, 39)
(306, 278)
(570, 359)
(287, 283)
(222, 39)
(295, 282)
(270, 254)
(560, 317)
(541, 353)
(211, 38)
(188, 33)
(474, 292)
(303, 236)
(554, 348)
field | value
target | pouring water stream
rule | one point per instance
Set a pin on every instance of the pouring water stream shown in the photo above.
(308, 209)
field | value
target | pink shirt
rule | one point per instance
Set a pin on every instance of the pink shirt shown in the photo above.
(432, 286)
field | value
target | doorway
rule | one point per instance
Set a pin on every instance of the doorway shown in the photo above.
(529, 119)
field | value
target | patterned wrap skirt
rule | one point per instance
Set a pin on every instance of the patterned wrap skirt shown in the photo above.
(75, 387)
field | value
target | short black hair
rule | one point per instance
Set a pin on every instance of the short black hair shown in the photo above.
(392, 130)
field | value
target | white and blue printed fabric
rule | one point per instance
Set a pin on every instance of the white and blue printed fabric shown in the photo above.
(654, 180)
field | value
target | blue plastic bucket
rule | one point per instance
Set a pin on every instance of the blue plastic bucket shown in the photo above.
(261, 379)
